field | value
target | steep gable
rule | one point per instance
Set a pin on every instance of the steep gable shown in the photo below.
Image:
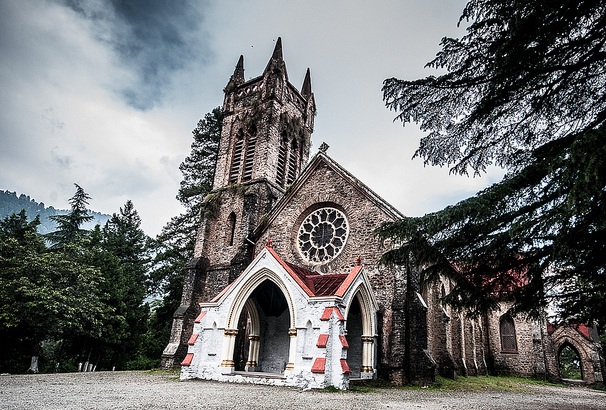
(325, 183)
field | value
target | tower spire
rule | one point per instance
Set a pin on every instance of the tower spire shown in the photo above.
(277, 55)
(276, 62)
(306, 88)
(237, 77)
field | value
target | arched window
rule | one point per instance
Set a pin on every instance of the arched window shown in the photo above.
(236, 160)
(507, 328)
(309, 339)
(570, 363)
(249, 156)
(293, 161)
(231, 221)
(282, 154)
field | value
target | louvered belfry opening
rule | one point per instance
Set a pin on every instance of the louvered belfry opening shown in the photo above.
(234, 171)
(293, 160)
(282, 153)
(249, 159)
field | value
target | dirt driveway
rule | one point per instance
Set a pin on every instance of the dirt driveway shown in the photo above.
(141, 390)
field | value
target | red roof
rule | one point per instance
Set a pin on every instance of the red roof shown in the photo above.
(583, 329)
(312, 283)
(579, 327)
(318, 284)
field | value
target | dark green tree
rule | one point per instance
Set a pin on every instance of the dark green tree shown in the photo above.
(174, 246)
(69, 226)
(124, 259)
(43, 295)
(524, 89)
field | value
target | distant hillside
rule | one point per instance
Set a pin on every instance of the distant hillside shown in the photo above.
(10, 203)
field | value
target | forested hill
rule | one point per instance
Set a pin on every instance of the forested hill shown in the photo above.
(10, 203)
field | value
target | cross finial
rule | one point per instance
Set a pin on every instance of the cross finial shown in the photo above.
(268, 243)
(324, 147)
(358, 261)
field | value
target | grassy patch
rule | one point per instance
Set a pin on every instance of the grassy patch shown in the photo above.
(461, 384)
(481, 383)
(170, 373)
(600, 387)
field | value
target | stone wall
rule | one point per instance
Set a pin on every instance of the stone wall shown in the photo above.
(326, 185)
(528, 359)
(587, 346)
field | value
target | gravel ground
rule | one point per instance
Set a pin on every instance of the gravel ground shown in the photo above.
(141, 390)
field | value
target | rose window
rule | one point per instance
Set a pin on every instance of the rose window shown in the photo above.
(322, 235)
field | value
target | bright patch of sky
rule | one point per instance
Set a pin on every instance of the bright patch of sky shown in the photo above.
(105, 94)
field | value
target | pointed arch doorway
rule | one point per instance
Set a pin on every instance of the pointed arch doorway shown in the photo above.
(262, 342)
(360, 335)
(569, 362)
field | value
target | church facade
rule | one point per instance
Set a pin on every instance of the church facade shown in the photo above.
(285, 286)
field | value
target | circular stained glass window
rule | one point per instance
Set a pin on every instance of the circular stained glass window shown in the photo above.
(322, 235)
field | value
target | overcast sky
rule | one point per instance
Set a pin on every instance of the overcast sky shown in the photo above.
(105, 93)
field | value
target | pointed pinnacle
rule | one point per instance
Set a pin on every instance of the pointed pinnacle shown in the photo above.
(277, 55)
(239, 71)
(306, 89)
(276, 59)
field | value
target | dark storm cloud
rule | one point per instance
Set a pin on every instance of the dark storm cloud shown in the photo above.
(153, 39)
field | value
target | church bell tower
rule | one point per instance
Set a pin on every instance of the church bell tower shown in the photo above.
(265, 143)
(267, 126)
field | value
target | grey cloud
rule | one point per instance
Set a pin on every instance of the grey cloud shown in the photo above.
(153, 39)
(62, 160)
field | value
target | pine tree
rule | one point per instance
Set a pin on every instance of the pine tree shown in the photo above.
(124, 259)
(525, 89)
(43, 295)
(69, 226)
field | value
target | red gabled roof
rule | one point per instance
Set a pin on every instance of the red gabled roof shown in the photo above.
(583, 329)
(550, 328)
(579, 327)
(314, 283)
(327, 285)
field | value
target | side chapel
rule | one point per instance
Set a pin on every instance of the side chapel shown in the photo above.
(285, 286)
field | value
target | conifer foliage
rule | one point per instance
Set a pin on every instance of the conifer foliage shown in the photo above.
(524, 89)
(69, 226)
(81, 301)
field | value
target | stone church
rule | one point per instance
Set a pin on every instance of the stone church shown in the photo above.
(285, 285)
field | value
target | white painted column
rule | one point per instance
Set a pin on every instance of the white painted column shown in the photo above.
(253, 353)
(227, 351)
(292, 353)
(367, 370)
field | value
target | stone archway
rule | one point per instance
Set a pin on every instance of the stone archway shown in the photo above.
(261, 316)
(274, 326)
(354, 338)
(361, 333)
(585, 343)
(569, 362)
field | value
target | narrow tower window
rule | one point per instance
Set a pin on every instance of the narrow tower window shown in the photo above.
(251, 141)
(282, 153)
(234, 172)
(293, 161)
(232, 229)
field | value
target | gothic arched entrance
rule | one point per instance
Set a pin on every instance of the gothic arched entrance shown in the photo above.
(274, 325)
(354, 338)
(260, 340)
(569, 362)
